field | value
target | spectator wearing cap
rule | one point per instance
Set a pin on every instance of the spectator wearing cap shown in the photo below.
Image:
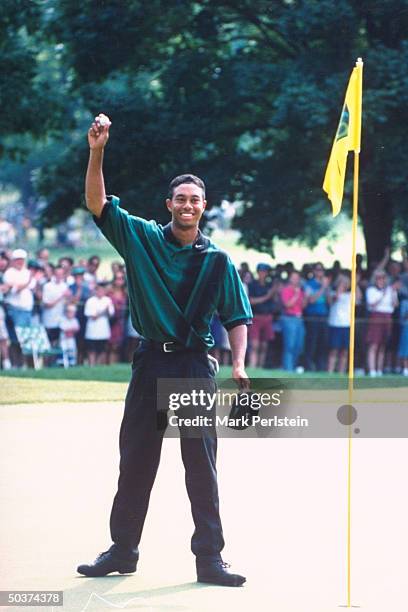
(55, 296)
(381, 300)
(315, 314)
(261, 293)
(293, 329)
(19, 297)
(98, 309)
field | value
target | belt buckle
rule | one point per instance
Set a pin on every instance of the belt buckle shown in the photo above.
(166, 349)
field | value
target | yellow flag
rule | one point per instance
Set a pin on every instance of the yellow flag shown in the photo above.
(347, 139)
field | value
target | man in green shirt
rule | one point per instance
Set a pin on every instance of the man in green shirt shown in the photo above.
(177, 279)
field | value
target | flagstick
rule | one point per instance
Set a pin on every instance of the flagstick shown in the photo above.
(351, 364)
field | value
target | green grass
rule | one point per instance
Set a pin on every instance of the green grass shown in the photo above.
(119, 372)
(109, 383)
(36, 390)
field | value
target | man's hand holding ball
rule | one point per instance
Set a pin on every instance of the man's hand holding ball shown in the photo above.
(98, 133)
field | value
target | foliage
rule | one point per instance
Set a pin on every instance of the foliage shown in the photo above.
(245, 94)
(31, 96)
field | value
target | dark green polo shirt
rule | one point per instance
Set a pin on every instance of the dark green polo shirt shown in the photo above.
(174, 290)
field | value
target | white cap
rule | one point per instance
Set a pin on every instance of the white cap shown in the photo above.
(19, 254)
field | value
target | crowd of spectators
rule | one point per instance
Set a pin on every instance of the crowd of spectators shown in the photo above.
(88, 319)
(301, 317)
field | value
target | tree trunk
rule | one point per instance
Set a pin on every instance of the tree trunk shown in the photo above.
(376, 213)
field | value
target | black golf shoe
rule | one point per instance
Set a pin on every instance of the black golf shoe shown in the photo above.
(217, 572)
(106, 563)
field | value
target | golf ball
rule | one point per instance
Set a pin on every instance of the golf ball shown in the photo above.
(103, 120)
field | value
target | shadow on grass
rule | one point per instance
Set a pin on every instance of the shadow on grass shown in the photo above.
(95, 592)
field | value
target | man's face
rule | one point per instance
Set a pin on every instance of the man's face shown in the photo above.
(262, 275)
(65, 264)
(187, 205)
(294, 279)
(380, 281)
(19, 263)
(44, 254)
(93, 265)
(71, 312)
(318, 272)
(59, 274)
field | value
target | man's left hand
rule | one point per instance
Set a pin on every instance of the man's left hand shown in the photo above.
(240, 377)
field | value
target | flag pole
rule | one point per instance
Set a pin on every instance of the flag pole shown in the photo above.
(351, 366)
(359, 64)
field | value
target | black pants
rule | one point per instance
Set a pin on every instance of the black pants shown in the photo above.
(140, 447)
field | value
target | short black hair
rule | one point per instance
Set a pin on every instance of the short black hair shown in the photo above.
(185, 178)
(66, 258)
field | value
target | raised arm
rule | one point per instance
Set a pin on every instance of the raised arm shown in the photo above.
(98, 135)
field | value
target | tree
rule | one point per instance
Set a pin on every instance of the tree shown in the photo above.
(29, 100)
(246, 94)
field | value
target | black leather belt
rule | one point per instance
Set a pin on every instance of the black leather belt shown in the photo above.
(169, 347)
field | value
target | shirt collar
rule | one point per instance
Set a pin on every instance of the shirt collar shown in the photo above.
(200, 243)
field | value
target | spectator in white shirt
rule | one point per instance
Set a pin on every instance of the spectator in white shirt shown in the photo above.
(381, 300)
(339, 323)
(69, 327)
(98, 309)
(54, 297)
(19, 297)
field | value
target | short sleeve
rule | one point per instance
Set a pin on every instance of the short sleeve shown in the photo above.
(89, 310)
(233, 307)
(118, 226)
(46, 294)
(371, 296)
(285, 294)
